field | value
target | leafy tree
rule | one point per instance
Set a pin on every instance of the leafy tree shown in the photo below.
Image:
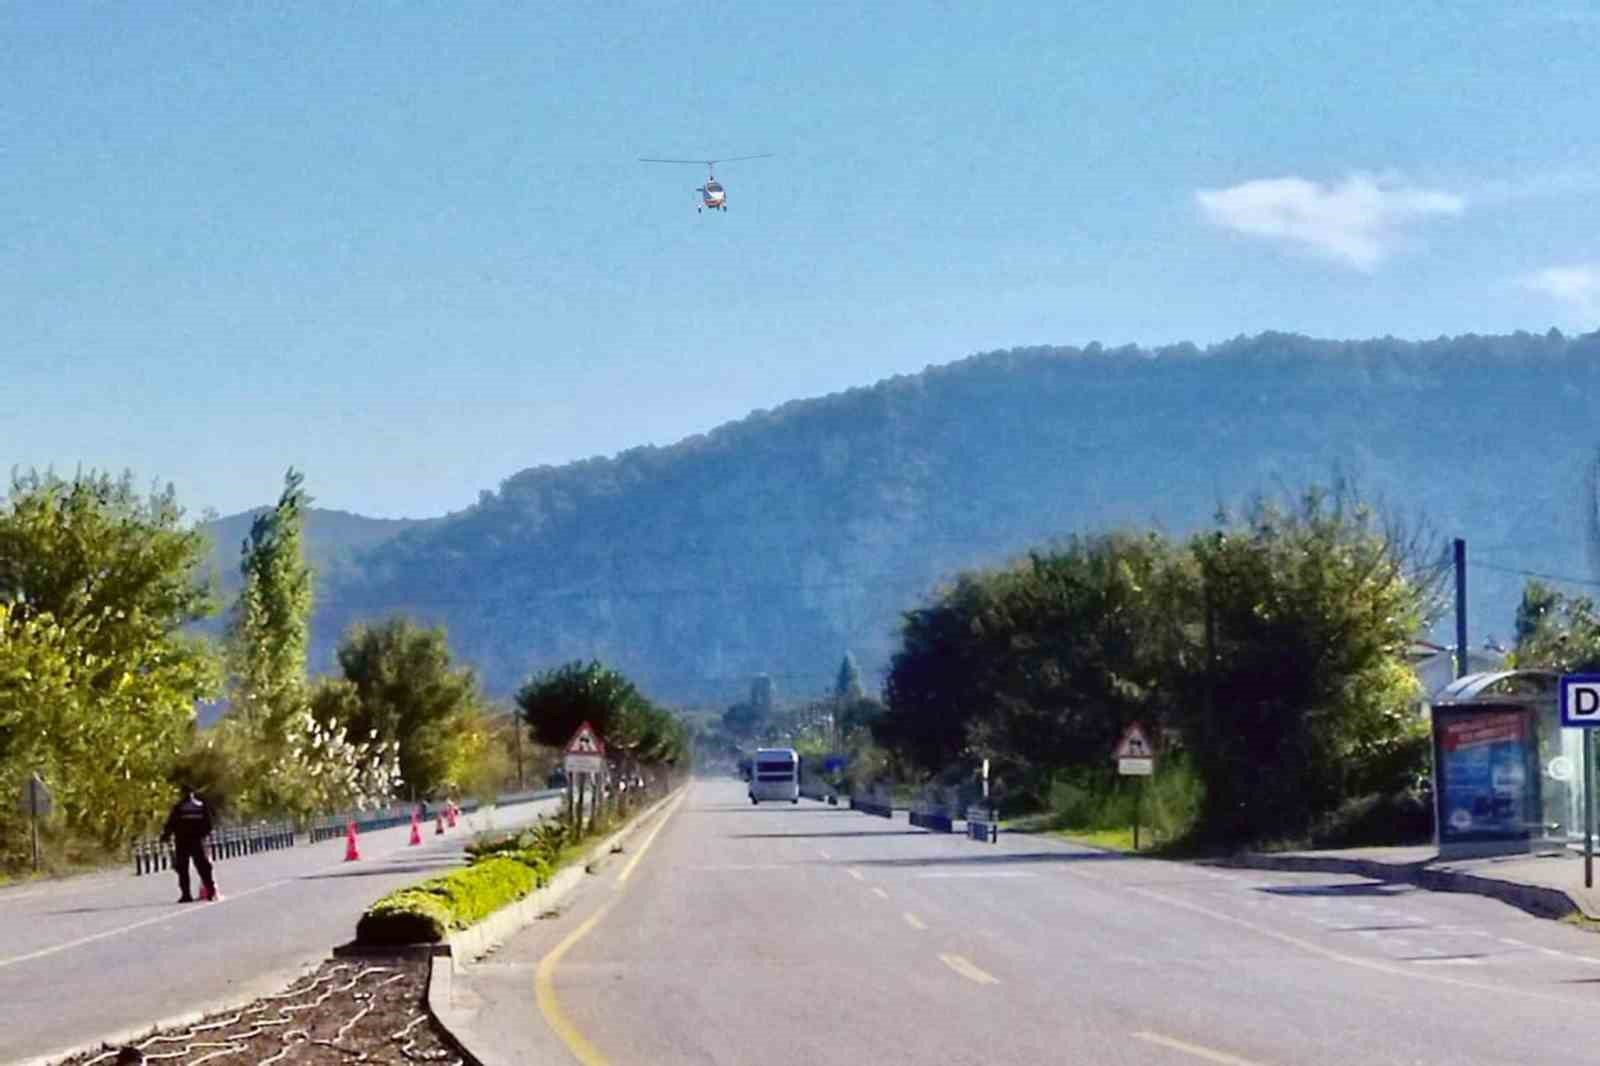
(271, 624)
(858, 715)
(645, 734)
(1272, 649)
(743, 721)
(558, 701)
(847, 687)
(1294, 678)
(289, 760)
(97, 683)
(1539, 602)
(1556, 631)
(1038, 666)
(94, 548)
(764, 694)
(399, 685)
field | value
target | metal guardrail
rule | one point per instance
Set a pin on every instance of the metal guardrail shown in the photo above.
(933, 817)
(510, 799)
(234, 841)
(983, 824)
(330, 826)
(226, 842)
(876, 803)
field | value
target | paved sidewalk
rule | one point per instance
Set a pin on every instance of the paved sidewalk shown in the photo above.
(1547, 885)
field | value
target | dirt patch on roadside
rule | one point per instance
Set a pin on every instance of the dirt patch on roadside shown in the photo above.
(358, 1011)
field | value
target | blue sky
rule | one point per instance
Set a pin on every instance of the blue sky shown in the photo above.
(407, 247)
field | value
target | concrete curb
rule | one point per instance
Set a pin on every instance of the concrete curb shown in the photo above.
(466, 945)
(1539, 900)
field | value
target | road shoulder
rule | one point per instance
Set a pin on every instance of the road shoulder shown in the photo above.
(480, 990)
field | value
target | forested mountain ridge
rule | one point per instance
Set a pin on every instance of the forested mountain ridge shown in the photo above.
(333, 540)
(774, 543)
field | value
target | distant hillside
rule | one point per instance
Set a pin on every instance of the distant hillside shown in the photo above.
(774, 543)
(333, 539)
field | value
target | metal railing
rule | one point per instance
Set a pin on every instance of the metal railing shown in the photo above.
(233, 841)
(876, 801)
(329, 826)
(983, 824)
(933, 816)
(225, 842)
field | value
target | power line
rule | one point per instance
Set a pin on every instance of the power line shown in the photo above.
(1542, 575)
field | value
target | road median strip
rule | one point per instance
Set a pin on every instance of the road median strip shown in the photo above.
(459, 947)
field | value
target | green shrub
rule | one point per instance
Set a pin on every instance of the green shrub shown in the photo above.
(1374, 820)
(1073, 802)
(1174, 798)
(536, 860)
(495, 844)
(427, 912)
(1169, 807)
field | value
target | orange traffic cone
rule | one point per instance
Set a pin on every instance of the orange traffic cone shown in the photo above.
(416, 831)
(438, 825)
(352, 851)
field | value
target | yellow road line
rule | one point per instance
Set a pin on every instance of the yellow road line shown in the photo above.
(913, 921)
(627, 871)
(880, 893)
(544, 977)
(963, 966)
(544, 991)
(1197, 1050)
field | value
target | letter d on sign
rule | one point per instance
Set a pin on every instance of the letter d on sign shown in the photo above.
(1580, 701)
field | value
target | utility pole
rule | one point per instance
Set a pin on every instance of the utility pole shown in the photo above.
(33, 818)
(516, 731)
(1211, 651)
(1461, 607)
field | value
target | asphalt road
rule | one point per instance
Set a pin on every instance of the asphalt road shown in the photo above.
(807, 934)
(94, 956)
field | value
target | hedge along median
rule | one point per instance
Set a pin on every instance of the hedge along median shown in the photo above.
(426, 913)
(502, 871)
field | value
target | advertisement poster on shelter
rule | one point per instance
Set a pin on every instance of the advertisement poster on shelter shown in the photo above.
(1484, 761)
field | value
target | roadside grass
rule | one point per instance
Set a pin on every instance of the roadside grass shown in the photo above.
(62, 855)
(1579, 920)
(1109, 839)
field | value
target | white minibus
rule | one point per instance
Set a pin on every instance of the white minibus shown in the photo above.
(775, 775)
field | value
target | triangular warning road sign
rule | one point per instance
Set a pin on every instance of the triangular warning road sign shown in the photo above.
(1134, 744)
(586, 742)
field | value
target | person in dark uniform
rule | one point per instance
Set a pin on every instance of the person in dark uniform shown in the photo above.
(188, 826)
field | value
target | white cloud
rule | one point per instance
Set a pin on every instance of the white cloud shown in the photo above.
(1356, 221)
(1576, 286)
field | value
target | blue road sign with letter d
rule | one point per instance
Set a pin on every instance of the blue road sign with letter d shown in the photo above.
(1580, 701)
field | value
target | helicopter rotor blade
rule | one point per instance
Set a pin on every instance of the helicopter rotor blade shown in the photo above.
(706, 162)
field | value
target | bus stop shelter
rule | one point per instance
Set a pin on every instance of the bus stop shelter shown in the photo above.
(1507, 777)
